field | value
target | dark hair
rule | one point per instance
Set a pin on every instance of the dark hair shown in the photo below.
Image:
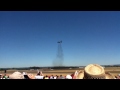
(26, 77)
(38, 73)
(57, 76)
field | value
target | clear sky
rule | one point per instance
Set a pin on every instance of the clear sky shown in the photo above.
(29, 38)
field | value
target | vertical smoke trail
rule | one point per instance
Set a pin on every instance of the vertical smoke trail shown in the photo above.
(59, 58)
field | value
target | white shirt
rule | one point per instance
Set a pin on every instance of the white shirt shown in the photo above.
(68, 77)
(55, 77)
(39, 77)
(51, 77)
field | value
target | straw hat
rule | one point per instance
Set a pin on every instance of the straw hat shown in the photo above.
(94, 71)
(16, 75)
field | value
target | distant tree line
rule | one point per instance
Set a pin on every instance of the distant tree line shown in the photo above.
(57, 67)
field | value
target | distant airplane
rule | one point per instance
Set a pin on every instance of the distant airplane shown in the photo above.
(59, 42)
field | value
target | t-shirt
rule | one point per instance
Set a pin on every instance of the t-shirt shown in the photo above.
(46, 78)
(6, 77)
(39, 77)
(51, 77)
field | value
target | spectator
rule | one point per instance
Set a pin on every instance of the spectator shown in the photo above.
(16, 75)
(116, 77)
(39, 76)
(72, 75)
(94, 71)
(55, 77)
(61, 77)
(51, 77)
(68, 77)
(4, 77)
(5, 71)
(0, 76)
(46, 77)
(8, 77)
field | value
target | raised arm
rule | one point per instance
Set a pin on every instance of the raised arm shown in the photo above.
(41, 73)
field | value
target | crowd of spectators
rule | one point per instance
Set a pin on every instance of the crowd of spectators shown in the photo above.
(92, 71)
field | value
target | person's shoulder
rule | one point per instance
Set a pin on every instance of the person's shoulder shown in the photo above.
(41, 76)
(36, 76)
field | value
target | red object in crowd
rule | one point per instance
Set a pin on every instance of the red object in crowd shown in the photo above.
(72, 75)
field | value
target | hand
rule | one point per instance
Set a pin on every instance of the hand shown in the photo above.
(76, 74)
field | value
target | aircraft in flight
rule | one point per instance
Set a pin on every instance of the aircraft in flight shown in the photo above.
(59, 42)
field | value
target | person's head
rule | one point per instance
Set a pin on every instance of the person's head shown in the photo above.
(38, 74)
(94, 71)
(116, 77)
(60, 75)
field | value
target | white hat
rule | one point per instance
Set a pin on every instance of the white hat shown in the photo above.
(68, 77)
(16, 75)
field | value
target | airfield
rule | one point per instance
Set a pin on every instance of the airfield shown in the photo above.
(113, 70)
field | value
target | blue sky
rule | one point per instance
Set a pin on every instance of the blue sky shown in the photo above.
(29, 38)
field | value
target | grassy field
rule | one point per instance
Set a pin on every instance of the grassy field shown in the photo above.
(113, 70)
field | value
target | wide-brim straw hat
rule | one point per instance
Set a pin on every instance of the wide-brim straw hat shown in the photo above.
(16, 75)
(94, 71)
